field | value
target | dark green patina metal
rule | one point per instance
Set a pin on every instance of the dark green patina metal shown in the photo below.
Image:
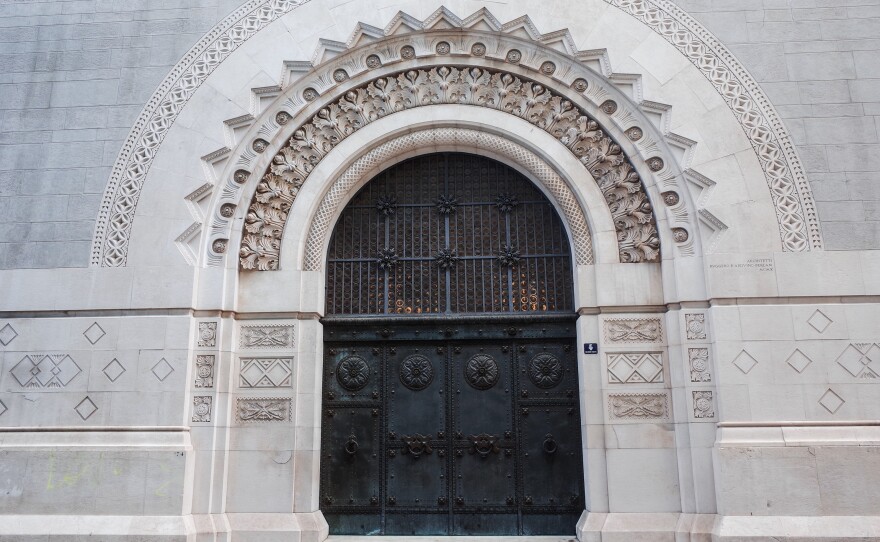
(437, 420)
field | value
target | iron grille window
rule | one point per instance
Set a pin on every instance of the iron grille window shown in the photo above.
(449, 233)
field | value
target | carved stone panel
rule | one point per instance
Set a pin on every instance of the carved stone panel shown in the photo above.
(265, 372)
(633, 330)
(695, 324)
(45, 371)
(205, 371)
(635, 368)
(618, 180)
(271, 336)
(638, 406)
(698, 358)
(207, 334)
(202, 408)
(704, 406)
(262, 409)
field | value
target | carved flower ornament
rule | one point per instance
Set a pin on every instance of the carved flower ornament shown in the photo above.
(619, 182)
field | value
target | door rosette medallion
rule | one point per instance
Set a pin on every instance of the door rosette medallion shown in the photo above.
(545, 371)
(353, 373)
(481, 372)
(416, 372)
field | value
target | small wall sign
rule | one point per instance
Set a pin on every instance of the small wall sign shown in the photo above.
(591, 348)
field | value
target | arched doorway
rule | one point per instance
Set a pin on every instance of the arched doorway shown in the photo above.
(450, 372)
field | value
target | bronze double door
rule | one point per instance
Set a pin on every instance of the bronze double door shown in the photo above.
(451, 429)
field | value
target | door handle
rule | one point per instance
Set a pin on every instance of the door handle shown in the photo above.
(416, 445)
(351, 445)
(550, 445)
(484, 444)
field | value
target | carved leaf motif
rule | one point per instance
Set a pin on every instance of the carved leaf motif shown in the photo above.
(617, 179)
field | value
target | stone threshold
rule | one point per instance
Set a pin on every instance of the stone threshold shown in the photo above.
(429, 538)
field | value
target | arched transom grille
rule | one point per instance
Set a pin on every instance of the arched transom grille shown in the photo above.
(449, 233)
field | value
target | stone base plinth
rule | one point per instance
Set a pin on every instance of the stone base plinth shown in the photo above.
(302, 527)
(618, 527)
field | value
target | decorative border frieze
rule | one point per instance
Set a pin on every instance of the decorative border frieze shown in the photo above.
(638, 406)
(792, 197)
(319, 229)
(794, 204)
(266, 336)
(633, 330)
(262, 409)
(620, 183)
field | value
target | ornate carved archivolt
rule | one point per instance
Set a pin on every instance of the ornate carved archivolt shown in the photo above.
(791, 193)
(620, 183)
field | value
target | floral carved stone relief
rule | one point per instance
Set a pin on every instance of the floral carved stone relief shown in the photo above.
(621, 185)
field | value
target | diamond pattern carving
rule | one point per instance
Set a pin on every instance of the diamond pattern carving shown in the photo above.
(7, 334)
(641, 368)
(831, 402)
(162, 369)
(798, 361)
(3, 408)
(862, 360)
(745, 362)
(94, 333)
(45, 371)
(265, 372)
(113, 370)
(819, 321)
(86, 408)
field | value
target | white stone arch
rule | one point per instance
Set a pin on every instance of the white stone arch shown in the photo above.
(778, 158)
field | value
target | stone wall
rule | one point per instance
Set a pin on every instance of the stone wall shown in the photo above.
(75, 74)
(817, 61)
(73, 77)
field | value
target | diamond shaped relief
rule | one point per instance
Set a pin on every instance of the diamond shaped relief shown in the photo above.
(94, 333)
(3, 408)
(862, 360)
(86, 408)
(635, 368)
(162, 369)
(819, 321)
(745, 362)
(798, 361)
(114, 370)
(45, 371)
(265, 372)
(831, 402)
(7, 334)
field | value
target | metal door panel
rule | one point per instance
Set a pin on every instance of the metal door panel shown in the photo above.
(550, 448)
